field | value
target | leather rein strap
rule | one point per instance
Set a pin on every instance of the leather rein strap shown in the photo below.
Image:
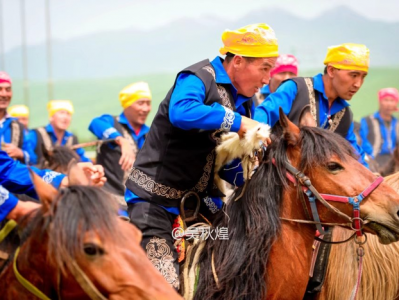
(85, 283)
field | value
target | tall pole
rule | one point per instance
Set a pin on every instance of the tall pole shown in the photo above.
(2, 59)
(24, 54)
(50, 90)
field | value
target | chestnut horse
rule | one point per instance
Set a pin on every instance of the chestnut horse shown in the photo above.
(380, 276)
(75, 247)
(269, 258)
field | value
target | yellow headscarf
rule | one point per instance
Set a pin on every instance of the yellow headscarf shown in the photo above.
(18, 110)
(348, 57)
(256, 40)
(55, 105)
(134, 92)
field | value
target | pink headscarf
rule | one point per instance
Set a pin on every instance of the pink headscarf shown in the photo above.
(388, 92)
(285, 63)
(5, 78)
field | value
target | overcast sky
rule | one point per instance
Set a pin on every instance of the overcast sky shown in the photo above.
(71, 18)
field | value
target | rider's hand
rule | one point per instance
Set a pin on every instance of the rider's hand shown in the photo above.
(13, 151)
(94, 172)
(21, 209)
(248, 124)
(128, 156)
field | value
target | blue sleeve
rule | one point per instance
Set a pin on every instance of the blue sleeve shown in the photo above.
(30, 157)
(351, 138)
(364, 131)
(268, 111)
(7, 203)
(103, 127)
(15, 176)
(188, 111)
(233, 173)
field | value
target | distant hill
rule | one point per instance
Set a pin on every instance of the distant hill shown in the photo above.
(183, 42)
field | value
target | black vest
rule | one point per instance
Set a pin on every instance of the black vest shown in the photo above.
(17, 135)
(341, 121)
(109, 158)
(40, 145)
(375, 139)
(174, 161)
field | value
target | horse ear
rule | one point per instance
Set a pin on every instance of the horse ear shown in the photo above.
(290, 130)
(46, 192)
(76, 175)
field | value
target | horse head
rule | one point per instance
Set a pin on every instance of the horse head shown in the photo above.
(330, 163)
(76, 247)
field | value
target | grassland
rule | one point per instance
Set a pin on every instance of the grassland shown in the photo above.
(93, 97)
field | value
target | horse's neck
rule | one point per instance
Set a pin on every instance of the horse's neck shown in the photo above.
(290, 257)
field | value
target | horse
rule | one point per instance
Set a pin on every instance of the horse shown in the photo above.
(380, 266)
(58, 160)
(266, 257)
(75, 247)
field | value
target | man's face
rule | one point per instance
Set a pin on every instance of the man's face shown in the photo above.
(61, 120)
(24, 121)
(388, 105)
(137, 113)
(251, 75)
(346, 83)
(280, 77)
(5, 95)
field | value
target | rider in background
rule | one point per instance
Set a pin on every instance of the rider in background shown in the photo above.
(325, 95)
(286, 68)
(56, 133)
(129, 131)
(12, 135)
(379, 131)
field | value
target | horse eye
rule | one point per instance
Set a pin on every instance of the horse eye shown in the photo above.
(93, 250)
(334, 167)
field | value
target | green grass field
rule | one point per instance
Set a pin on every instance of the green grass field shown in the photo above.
(94, 97)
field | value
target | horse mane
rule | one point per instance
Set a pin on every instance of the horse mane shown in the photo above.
(252, 217)
(60, 156)
(75, 211)
(380, 269)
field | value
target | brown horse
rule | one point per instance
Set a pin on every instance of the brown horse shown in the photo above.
(380, 276)
(267, 258)
(75, 247)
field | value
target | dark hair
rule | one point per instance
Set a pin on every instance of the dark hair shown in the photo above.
(229, 57)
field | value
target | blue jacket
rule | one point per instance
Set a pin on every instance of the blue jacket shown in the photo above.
(103, 128)
(268, 111)
(5, 136)
(15, 177)
(188, 111)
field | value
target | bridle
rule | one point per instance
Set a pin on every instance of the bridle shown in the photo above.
(355, 222)
(81, 278)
